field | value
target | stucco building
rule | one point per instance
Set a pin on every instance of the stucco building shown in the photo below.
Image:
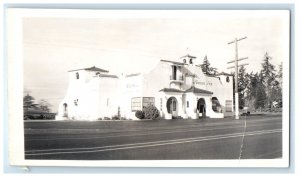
(176, 88)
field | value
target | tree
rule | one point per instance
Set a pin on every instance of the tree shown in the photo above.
(44, 105)
(277, 87)
(206, 68)
(256, 91)
(268, 77)
(29, 102)
(279, 74)
(242, 86)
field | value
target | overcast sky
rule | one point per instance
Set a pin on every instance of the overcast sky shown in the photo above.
(52, 46)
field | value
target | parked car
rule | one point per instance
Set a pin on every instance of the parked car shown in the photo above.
(245, 111)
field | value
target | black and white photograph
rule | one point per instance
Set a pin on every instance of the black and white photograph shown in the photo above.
(125, 87)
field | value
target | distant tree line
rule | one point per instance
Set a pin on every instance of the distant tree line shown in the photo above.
(260, 90)
(29, 103)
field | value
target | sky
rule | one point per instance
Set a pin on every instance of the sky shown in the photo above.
(52, 46)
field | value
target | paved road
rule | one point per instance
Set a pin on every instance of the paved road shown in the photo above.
(251, 138)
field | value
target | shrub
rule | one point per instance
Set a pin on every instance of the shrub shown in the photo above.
(177, 117)
(106, 118)
(115, 117)
(140, 114)
(151, 112)
(123, 118)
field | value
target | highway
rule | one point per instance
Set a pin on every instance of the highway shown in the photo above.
(254, 137)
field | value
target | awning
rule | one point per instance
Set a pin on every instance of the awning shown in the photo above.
(171, 90)
(197, 90)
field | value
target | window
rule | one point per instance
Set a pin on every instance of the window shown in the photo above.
(187, 104)
(174, 105)
(148, 101)
(227, 79)
(174, 72)
(228, 105)
(65, 112)
(216, 106)
(76, 102)
(171, 104)
(77, 75)
(135, 104)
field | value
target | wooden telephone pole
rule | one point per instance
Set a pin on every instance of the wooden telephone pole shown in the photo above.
(235, 41)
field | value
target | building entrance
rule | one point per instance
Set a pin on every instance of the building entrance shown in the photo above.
(172, 106)
(65, 112)
(201, 107)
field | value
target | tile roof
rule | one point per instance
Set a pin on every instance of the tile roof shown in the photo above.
(108, 75)
(189, 56)
(132, 75)
(197, 90)
(170, 90)
(174, 62)
(223, 73)
(91, 69)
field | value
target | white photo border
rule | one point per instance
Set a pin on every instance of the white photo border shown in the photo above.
(15, 93)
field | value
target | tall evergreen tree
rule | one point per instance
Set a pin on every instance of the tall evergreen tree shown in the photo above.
(29, 102)
(242, 86)
(256, 90)
(206, 68)
(268, 76)
(279, 74)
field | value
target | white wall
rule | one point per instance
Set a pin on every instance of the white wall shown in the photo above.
(100, 97)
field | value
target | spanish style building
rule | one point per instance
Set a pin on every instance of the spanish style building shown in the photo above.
(177, 89)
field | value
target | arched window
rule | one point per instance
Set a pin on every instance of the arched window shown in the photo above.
(77, 75)
(216, 106)
(171, 105)
(65, 110)
(227, 79)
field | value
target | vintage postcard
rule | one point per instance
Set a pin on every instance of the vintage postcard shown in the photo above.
(148, 88)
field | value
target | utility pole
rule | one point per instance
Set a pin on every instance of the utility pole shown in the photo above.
(235, 41)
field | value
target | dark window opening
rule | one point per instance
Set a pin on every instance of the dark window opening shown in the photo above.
(216, 106)
(174, 106)
(174, 72)
(227, 79)
(171, 105)
(65, 112)
(76, 102)
(77, 75)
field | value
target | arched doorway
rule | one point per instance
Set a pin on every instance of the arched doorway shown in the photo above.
(65, 110)
(201, 107)
(172, 106)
